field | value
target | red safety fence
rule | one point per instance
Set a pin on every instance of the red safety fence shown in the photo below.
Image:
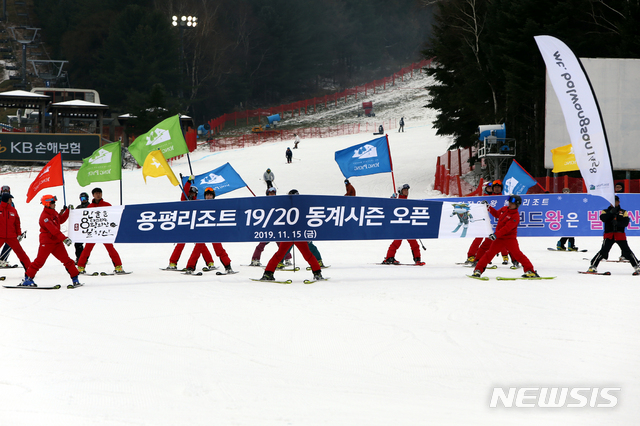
(450, 167)
(242, 141)
(217, 124)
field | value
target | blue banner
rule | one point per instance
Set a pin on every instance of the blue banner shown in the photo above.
(563, 215)
(223, 179)
(365, 159)
(517, 181)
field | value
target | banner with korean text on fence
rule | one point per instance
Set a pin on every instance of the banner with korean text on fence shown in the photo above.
(563, 215)
(338, 218)
(280, 218)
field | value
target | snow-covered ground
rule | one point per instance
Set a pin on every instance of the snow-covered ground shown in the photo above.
(375, 345)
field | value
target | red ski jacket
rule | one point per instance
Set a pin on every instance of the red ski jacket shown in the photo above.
(9, 221)
(508, 220)
(50, 221)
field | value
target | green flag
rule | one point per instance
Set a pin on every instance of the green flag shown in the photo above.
(102, 166)
(165, 136)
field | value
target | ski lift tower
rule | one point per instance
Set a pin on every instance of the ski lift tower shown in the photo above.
(495, 150)
(24, 36)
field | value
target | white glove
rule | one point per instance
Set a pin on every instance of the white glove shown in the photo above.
(21, 236)
(192, 178)
(492, 237)
(70, 207)
(485, 202)
(68, 241)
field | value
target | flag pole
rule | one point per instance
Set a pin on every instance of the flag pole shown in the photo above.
(120, 165)
(393, 178)
(64, 193)
(247, 186)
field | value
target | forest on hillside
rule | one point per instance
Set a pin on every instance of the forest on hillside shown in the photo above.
(490, 70)
(242, 54)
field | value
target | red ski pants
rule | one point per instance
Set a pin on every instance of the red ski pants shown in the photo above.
(59, 251)
(284, 246)
(509, 245)
(415, 248)
(17, 248)
(88, 248)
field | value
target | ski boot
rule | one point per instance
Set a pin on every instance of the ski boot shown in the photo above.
(189, 271)
(81, 270)
(75, 282)
(592, 269)
(320, 263)
(227, 269)
(571, 247)
(267, 276)
(172, 266)
(531, 274)
(418, 261)
(390, 261)
(470, 260)
(505, 260)
(636, 270)
(280, 265)
(287, 262)
(476, 274)
(317, 276)
(516, 265)
(27, 282)
(119, 270)
(255, 262)
(3, 263)
(560, 247)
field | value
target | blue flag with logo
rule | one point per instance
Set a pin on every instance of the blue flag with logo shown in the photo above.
(223, 179)
(365, 159)
(517, 181)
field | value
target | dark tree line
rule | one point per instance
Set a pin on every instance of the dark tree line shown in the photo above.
(492, 72)
(242, 54)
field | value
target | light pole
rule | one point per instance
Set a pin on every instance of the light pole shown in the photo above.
(182, 23)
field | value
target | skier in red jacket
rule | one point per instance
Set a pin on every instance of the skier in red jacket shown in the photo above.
(415, 248)
(10, 232)
(51, 242)
(86, 252)
(505, 239)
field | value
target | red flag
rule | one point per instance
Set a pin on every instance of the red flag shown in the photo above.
(51, 175)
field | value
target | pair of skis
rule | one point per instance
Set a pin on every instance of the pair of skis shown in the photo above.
(511, 278)
(53, 287)
(287, 281)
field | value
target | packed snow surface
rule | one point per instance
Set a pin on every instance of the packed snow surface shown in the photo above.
(375, 345)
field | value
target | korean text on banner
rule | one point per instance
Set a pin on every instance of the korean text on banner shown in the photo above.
(166, 136)
(367, 158)
(99, 225)
(581, 115)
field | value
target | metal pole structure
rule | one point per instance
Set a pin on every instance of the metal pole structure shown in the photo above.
(181, 94)
(24, 65)
(4, 10)
(181, 23)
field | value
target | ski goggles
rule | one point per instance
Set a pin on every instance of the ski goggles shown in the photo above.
(5, 188)
(49, 200)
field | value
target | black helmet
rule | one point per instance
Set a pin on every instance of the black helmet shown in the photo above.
(210, 190)
(515, 199)
(406, 186)
(294, 192)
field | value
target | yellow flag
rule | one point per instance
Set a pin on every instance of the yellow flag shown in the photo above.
(155, 166)
(563, 159)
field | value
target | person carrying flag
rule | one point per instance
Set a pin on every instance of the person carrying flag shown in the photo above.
(98, 201)
(52, 242)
